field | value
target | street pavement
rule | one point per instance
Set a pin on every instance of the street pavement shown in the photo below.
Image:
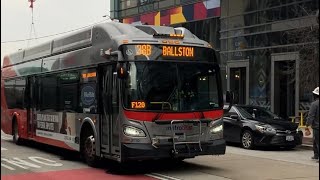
(35, 161)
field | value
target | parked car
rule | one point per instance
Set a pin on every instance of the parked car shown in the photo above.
(254, 126)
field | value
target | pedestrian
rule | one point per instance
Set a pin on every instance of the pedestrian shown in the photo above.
(313, 122)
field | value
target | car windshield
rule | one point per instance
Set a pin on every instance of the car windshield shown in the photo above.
(172, 86)
(261, 113)
(244, 113)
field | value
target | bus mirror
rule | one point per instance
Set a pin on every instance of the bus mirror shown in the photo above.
(109, 53)
(122, 70)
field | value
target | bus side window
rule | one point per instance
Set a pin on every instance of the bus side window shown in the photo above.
(68, 99)
(20, 87)
(10, 93)
(48, 93)
(69, 91)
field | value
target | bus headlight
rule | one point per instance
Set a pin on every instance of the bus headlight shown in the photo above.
(134, 132)
(216, 129)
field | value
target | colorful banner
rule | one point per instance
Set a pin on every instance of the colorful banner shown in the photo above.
(181, 14)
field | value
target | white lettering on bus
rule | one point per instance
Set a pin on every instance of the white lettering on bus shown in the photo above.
(41, 160)
(8, 167)
(47, 117)
(19, 162)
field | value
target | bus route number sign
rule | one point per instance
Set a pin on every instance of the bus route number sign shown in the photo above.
(138, 105)
(144, 49)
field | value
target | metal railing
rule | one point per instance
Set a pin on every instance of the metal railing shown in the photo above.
(301, 119)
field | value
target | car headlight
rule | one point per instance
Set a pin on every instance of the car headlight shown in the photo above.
(216, 129)
(134, 132)
(265, 129)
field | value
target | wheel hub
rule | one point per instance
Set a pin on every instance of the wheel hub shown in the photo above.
(246, 140)
(90, 146)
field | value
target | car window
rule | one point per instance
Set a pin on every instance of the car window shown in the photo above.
(269, 114)
(230, 113)
(260, 113)
(244, 113)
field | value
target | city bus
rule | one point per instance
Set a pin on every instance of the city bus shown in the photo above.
(117, 91)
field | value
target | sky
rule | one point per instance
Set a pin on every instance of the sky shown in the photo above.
(49, 17)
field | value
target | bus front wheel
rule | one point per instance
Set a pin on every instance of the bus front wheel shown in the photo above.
(88, 149)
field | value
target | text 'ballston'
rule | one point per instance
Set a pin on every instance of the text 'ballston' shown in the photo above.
(178, 51)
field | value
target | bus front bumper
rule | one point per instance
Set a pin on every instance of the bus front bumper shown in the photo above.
(148, 152)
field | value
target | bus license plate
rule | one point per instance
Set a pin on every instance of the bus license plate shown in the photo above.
(289, 138)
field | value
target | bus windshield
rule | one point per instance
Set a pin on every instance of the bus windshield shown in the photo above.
(172, 86)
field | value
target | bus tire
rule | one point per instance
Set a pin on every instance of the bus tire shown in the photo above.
(15, 133)
(88, 148)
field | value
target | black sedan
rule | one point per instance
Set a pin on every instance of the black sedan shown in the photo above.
(255, 126)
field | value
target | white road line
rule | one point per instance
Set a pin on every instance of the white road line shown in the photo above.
(156, 177)
(161, 176)
(6, 138)
(3, 149)
(8, 167)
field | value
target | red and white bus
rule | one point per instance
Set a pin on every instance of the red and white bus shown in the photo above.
(117, 91)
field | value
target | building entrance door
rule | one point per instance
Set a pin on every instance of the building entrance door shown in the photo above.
(285, 85)
(238, 80)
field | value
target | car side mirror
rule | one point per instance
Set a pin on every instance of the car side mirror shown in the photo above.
(234, 116)
(229, 99)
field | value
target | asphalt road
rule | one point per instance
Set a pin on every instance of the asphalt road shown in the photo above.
(35, 161)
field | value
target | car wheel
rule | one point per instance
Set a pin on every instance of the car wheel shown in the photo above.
(247, 141)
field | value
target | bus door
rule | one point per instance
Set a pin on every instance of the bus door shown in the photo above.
(110, 141)
(31, 105)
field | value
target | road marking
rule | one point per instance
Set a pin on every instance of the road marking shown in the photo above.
(156, 177)
(6, 138)
(20, 163)
(161, 176)
(41, 160)
(3, 149)
(26, 165)
(8, 167)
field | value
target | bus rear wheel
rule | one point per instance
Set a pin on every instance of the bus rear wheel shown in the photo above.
(88, 149)
(16, 139)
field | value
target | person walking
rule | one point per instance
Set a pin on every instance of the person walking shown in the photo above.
(313, 122)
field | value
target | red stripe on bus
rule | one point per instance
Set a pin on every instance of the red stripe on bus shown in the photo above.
(79, 174)
(213, 114)
(150, 116)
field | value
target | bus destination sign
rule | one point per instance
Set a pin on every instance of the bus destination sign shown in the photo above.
(167, 51)
(178, 51)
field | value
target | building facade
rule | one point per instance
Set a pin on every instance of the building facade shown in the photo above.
(268, 49)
